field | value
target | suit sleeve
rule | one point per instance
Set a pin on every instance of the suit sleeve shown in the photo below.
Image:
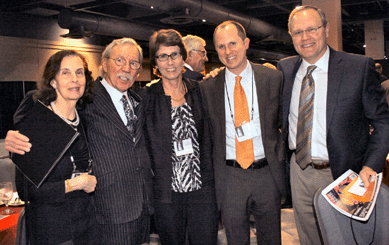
(376, 110)
(24, 107)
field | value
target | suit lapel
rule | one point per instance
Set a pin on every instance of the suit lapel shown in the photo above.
(335, 75)
(104, 103)
(262, 95)
(218, 104)
(288, 87)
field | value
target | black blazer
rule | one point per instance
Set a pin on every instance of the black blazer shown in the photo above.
(158, 131)
(355, 99)
(121, 163)
(269, 88)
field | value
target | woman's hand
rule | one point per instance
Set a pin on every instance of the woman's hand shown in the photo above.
(83, 182)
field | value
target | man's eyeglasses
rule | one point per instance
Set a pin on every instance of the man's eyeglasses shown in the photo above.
(312, 30)
(165, 57)
(203, 52)
(134, 65)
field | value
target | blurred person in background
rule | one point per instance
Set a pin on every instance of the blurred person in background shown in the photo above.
(196, 58)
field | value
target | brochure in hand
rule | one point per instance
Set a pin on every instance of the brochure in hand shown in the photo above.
(348, 195)
(50, 137)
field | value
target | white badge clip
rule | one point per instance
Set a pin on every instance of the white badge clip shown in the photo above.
(77, 173)
(183, 147)
(246, 131)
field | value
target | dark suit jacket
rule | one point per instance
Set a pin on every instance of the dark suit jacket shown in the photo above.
(121, 164)
(194, 75)
(385, 85)
(269, 89)
(355, 99)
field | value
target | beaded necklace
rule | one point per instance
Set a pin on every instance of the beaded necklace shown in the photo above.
(74, 124)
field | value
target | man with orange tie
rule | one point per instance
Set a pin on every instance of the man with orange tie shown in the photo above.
(243, 102)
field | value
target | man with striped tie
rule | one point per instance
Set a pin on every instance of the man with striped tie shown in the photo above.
(330, 99)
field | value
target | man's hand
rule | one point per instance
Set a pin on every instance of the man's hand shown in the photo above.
(213, 73)
(365, 174)
(17, 143)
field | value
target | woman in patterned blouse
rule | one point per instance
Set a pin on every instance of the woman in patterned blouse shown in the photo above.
(179, 142)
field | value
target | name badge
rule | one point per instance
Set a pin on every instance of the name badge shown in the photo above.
(183, 147)
(77, 173)
(246, 131)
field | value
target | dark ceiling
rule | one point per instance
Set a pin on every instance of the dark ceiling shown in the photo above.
(175, 14)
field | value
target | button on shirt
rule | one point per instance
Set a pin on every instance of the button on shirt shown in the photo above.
(249, 86)
(319, 130)
(116, 95)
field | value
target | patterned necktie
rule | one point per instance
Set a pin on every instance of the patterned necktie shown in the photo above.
(305, 120)
(244, 149)
(129, 112)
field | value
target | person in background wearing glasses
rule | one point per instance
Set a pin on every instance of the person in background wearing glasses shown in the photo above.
(249, 172)
(346, 98)
(197, 56)
(114, 126)
(178, 139)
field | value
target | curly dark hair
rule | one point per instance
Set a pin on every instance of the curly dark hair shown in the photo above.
(46, 93)
(165, 37)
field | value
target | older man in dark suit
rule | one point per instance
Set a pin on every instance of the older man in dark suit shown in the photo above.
(196, 58)
(114, 122)
(330, 99)
(249, 171)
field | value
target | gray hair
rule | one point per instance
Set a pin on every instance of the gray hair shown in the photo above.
(307, 7)
(107, 51)
(193, 42)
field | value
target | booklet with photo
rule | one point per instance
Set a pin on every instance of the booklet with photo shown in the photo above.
(348, 195)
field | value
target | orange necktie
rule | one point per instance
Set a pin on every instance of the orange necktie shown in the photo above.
(244, 149)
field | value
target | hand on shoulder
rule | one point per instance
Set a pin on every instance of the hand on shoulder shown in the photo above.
(213, 73)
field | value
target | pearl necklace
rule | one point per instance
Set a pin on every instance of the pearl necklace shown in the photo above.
(73, 124)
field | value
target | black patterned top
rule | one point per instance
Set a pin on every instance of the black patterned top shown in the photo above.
(186, 168)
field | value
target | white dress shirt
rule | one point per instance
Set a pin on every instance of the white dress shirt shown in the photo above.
(249, 86)
(319, 128)
(116, 96)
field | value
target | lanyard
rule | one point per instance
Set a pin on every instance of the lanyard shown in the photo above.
(90, 158)
(252, 97)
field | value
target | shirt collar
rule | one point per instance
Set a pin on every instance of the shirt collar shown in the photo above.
(188, 66)
(113, 92)
(246, 74)
(322, 63)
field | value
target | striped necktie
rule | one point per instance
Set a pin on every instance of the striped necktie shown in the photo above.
(305, 120)
(129, 112)
(244, 149)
